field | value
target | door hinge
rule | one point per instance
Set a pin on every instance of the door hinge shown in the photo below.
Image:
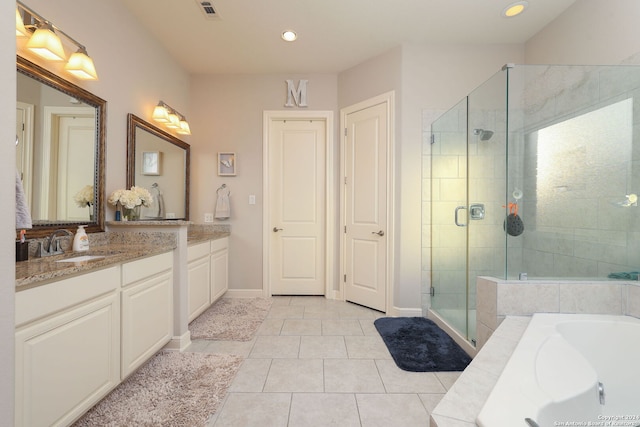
(345, 131)
(433, 138)
(432, 291)
(345, 278)
(345, 229)
(345, 180)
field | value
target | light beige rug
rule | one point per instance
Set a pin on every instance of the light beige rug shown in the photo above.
(231, 319)
(172, 389)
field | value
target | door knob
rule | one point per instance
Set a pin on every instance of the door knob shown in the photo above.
(379, 233)
(276, 229)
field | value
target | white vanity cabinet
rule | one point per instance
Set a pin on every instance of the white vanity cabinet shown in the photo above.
(147, 309)
(198, 260)
(219, 268)
(67, 347)
(208, 277)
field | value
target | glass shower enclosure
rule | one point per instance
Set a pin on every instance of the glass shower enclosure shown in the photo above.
(533, 175)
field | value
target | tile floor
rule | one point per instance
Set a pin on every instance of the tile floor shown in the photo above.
(318, 362)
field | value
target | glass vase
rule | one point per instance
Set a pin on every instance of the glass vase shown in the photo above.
(131, 214)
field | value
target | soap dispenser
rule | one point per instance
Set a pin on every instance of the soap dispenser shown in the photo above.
(81, 240)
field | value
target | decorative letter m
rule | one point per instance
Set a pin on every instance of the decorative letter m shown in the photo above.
(299, 96)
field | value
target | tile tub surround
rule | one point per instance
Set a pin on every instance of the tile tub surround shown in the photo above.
(464, 400)
(500, 298)
(503, 313)
(117, 247)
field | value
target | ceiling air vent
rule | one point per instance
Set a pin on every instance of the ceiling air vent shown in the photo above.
(207, 9)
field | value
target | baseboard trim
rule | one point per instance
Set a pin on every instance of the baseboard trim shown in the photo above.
(244, 293)
(405, 312)
(179, 343)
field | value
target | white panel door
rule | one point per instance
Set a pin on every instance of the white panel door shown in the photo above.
(365, 245)
(76, 164)
(297, 207)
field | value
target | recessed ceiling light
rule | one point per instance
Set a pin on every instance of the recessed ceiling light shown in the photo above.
(515, 9)
(289, 35)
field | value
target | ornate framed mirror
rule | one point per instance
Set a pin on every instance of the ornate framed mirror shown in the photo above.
(159, 162)
(60, 151)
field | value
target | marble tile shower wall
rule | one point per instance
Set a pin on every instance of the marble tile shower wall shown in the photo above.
(575, 226)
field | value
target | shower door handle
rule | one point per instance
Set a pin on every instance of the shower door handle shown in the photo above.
(458, 209)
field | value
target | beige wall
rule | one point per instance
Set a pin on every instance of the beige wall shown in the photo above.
(590, 32)
(227, 116)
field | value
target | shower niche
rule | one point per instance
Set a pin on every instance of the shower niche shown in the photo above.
(535, 174)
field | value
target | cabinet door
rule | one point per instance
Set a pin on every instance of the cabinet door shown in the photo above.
(219, 273)
(67, 363)
(147, 319)
(198, 289)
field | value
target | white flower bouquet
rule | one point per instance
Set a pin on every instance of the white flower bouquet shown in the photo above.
(129, 199)
(84, 197)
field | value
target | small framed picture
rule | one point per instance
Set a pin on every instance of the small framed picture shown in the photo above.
(151, 162)
(227, 164)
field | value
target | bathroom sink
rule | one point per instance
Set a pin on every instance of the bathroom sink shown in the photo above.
(82, 258)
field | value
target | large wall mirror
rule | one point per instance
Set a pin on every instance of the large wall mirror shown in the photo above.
(60, 129)
(159, 162)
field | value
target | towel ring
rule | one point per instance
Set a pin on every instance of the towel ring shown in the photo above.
(222, 187)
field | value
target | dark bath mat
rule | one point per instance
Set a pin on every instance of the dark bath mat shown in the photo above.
(417, 344)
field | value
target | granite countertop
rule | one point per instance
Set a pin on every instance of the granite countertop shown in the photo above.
(39, 271)
(116, 248)
(202, 236)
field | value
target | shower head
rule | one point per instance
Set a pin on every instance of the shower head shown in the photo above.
(484, 134)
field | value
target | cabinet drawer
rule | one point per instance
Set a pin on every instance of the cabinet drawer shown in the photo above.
(219, 244)
(35, 303)
(146, 267)
(198, 250)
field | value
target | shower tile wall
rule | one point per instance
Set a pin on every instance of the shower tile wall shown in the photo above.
(578, 165)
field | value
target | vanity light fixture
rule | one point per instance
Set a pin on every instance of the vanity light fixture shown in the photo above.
(160, 113)
(45, 42)
(184, 126)
(289, 35)
(81, 65)
(21, 31)
(174, 121)
(515, 9)
(171, 118)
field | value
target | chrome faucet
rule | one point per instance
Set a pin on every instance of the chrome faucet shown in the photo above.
(51, 245)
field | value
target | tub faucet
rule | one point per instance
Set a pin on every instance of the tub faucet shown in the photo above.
(51, 245)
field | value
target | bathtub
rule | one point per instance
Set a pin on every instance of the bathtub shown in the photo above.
(570, 370)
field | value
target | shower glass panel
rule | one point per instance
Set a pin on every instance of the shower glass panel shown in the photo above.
(468, 178)
(448, 208)
(535, 174)
(486, 180)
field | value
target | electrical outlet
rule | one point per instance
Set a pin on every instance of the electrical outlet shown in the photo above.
(252, 199)
(208, 217)
(171, 215)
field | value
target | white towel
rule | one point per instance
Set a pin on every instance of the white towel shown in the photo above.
(223, 208)
(23, 216)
